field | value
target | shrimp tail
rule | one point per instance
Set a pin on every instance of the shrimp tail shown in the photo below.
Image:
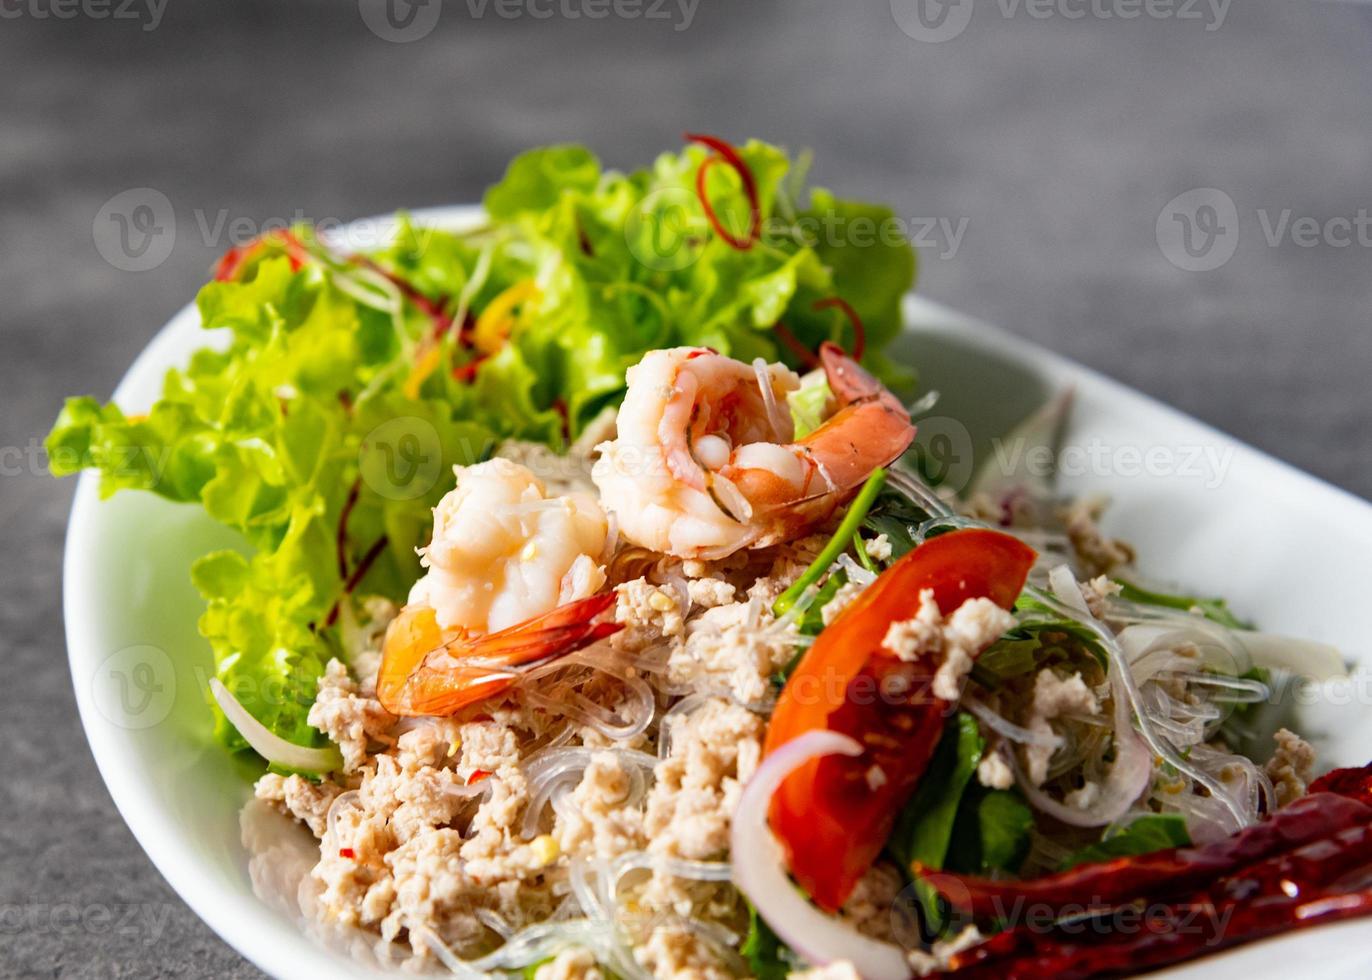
(871, 428)
(422, 675)
(851, 383)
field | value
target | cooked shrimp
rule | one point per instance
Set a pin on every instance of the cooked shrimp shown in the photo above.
(503, 552)
(424, 673)
(706, 461)
(512, 580)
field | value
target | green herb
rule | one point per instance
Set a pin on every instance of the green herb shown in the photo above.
(1027, 648)
(1215, 610)
(860, 547)
(1148, 833)
(924, 828)
(991, 833)
(767, 956)
(896, 517)
(839, 543)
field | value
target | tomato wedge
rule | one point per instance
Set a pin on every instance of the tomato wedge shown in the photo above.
(833, 815)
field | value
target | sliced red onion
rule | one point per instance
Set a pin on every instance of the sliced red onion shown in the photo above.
(1065, 585)
(759, 870)
(1129, 776)
(267, 743)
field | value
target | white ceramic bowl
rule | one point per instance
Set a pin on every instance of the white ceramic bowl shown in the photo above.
(1288, 550)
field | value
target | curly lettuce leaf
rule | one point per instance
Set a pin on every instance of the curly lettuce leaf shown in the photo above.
(328, 389)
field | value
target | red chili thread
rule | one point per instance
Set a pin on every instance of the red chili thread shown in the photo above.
(728, 154)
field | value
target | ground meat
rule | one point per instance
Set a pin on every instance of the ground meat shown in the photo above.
(1055, 696)
(879, 547)
(714, 751)
(994, 772)
(487, 746)
(673, 952)
(298, 797)
(650, 613)
(494, 851)
(433, 742)
(350, 721)
(735, 648)
(789, 562)
(710, 592)
(598, 816)
(846, 593)
(430, 889)
(1292, 766)
(575, 963)
(869, 907)
(1096, 553)
(1097, 593)
(974, 626)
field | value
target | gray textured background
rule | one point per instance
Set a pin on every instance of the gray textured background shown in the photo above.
(1059, 141)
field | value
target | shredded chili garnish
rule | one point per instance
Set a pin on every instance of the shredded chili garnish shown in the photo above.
(347, 852)
(236, 258)
(466, 373)
(341, 537)
(560, 407)
(859, 331)
(802, 353)
(435, 310)
(477, 776)
(726, 153)
(364, 565)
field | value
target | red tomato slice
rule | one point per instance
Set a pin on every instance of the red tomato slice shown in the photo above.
(833, 815)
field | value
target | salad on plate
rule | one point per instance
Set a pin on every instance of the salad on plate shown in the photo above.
(593, 617)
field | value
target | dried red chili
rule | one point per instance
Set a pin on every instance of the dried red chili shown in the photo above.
(1168, 872)
(1356, 783)
(1308, 886)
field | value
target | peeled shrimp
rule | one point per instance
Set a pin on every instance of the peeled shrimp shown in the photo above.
(706, 463)
(512, 580)
(503, 552)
